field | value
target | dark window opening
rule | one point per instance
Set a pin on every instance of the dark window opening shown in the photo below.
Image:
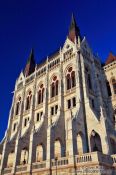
(74, 101)
(14, 128)
(69, 104)
(37, 117)
(52, 110)
(56, 109)
(25, 122)
(108, 88)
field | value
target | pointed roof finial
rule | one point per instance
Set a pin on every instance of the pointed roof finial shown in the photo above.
(30, 66)
(74, 30)
(73, 22)
(31, 56)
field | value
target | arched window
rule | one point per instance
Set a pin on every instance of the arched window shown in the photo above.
(41, 94)
(95, 141)
(88, 76)
(18, 106)
(108, 88)
(54, 87)
(79, 144)
(39, 153)
(57, 149)
(24, 156)
(70, 78)
(11, 158)
(73, 79)
(89, 81)
(28, 100)
(114, 85)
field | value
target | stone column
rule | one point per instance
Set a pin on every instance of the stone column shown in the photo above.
(19, 129)
(32, 127)
(84, 95)
(48, 127)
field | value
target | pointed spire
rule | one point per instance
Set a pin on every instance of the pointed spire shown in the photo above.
(74, 30)
(31, 56)
(30, 66)
(73, 23)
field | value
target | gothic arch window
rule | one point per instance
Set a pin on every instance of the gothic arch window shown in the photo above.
(57, 148)
(95, 142)
(39, 153)
(108, 88)
(41, 94)
(28, 100)
(79, 144)
(24, 156)
(88, 75)
(18, 106)
(70, 78)
(11, 158)
(54, 87)
(114, 85)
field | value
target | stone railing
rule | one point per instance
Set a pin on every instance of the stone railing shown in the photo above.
(60, 161)
(72, 90)
(92, 157)
(30, 78)
(53, 99)
(21, 168)
(26, 112)
(38, 165)
(83, 158)
(7, 170)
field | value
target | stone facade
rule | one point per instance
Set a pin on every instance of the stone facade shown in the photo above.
(61, 118)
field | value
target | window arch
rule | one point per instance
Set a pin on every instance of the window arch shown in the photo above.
(79, 144)
(28, 100)
(39, 153)
(114, 85)
(24, 156)
(41, 94)
(57, 148)
(95, 142)
(88, 75)
(70, 78)
(54, 87)
(18, 106)
(11, 158)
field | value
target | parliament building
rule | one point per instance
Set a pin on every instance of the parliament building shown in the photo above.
(62, 119)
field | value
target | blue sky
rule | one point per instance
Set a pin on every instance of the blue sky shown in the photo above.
(43, 25)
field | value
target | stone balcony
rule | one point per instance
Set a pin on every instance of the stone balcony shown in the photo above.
(38, 165)
(7, 170)
(65, 165)
(22, 168)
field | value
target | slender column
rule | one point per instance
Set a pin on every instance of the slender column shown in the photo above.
(19, 129)
(32, 126)
(84, 94)
(69, 139)
(48, 161)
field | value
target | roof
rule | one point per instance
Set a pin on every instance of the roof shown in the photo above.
(110, 58)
